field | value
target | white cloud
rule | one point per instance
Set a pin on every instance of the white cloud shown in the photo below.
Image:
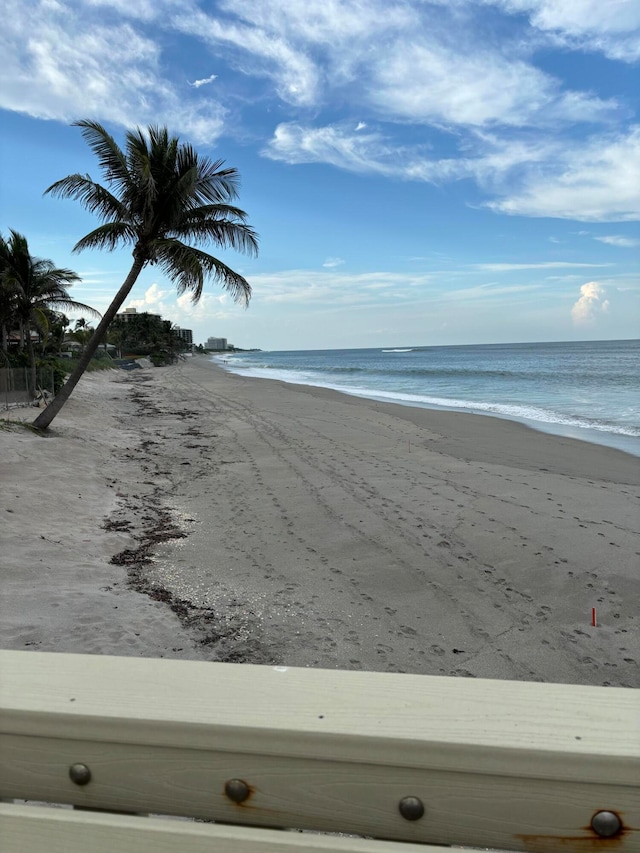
(610, 27)
(257, 52)
(333, 262)
(61, 63)
(295, 143)
(434, 82)
(591, 304)
(363, 153)
(407, 63)
(152, 297)
(597, 182)
(622, 242)
(203, 82)
(399, 59)
(338, 289)
(180, 309)
(144, 10)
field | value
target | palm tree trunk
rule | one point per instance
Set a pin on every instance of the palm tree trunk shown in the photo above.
(47, 415)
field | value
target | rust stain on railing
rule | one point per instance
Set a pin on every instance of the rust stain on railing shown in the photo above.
(579, 843)
(238, 791)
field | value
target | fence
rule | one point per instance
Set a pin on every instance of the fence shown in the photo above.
(14, 385)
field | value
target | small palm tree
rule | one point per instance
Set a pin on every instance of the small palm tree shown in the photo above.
(82, 332)
(160, 193)
(32, 287)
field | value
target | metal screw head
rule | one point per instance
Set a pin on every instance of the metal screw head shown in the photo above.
(237, 790)
(606, 824)
(411, 808)
(80, 774)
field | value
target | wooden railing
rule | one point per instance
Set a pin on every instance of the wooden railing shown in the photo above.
(419, 760)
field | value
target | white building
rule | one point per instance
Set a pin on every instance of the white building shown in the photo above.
(216, 344)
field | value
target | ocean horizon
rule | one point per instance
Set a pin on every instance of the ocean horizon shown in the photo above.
(588, 390)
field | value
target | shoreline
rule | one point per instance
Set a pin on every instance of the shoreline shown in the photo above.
(568, 454)
(602, 438)
(302, 526)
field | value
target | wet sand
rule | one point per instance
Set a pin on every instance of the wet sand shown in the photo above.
(255, 521)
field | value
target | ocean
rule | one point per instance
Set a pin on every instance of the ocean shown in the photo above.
(588, 390)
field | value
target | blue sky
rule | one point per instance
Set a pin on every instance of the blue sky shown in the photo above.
(419, 172)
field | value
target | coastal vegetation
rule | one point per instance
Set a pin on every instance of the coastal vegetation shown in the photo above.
(147, 335)
(31, 291)
(160, 198)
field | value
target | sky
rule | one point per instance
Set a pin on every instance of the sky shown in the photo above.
(420, 172)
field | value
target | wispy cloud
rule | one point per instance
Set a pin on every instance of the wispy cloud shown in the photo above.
(621, 242)
(59, 63)
(336, 288)
(597, 182)
(330, 263)
(610, 28)
(203, 82)
(534, 266)
(366, 153)
(509, 124)
(434, 82)
(490, 291)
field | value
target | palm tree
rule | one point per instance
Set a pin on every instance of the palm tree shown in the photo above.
(159, 193)
(82, 332)
(32, 287)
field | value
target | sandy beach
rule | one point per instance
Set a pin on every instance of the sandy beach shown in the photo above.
(186, 512)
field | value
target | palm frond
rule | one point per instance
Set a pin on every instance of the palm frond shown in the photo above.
(216, 184)
(96, 198)
(111, 158)
(188, 267)
(223, 232)
(72, 305)
(39, 319)
(53, 278)
(143, 185)
(107, 236)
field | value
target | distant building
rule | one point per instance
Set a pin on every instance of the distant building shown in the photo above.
(216, 343)
(128, 312)
(186, 335)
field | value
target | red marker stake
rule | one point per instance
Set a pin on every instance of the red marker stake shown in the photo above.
(593, 617)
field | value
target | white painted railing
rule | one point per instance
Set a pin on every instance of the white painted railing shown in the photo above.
(397, 758)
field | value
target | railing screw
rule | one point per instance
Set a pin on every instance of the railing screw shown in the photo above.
(80, 774)
(411, 808)
(237, 790)
(606, 824)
